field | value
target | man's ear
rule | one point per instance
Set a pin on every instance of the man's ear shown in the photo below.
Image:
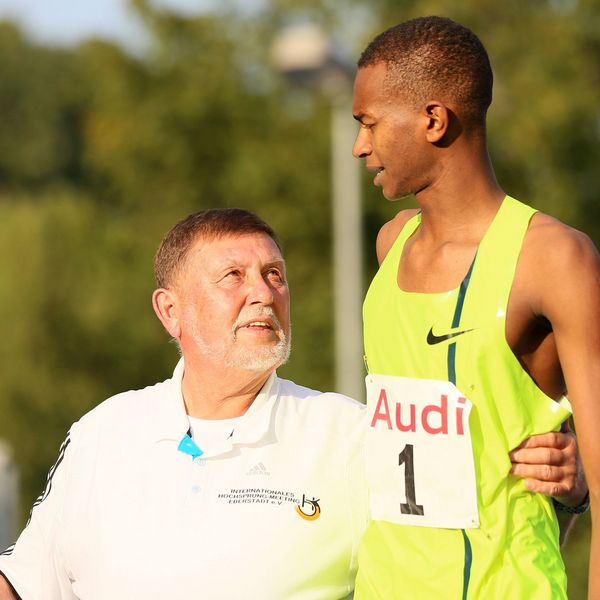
(166, 306)
(438, 121)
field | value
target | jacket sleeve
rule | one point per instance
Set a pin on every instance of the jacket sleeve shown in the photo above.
(33, 565)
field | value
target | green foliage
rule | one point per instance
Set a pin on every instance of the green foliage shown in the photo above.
(36, 107)
(576, 556)
(76, 280)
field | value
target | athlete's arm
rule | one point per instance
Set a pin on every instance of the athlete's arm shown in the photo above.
(7, 591)
(565, 288)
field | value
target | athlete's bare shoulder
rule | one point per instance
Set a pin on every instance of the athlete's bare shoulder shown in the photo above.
(550, 238)
(389, 232)
(554, 255)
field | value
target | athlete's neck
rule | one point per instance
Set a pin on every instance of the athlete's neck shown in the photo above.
(464, 194)
(459, 207)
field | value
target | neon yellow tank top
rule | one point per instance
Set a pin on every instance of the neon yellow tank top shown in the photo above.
(514, 554)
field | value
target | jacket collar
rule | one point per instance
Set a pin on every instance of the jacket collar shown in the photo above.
(170, 421)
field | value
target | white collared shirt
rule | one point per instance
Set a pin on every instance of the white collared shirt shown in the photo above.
(275, 512)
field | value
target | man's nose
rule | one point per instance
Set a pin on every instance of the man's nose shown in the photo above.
(362, 144)
(260, 291)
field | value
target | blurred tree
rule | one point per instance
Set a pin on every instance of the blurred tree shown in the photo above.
(37, 136)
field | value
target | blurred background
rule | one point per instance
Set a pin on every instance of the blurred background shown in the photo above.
(119, 118)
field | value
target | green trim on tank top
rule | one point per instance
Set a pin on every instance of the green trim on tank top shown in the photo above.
(462, 292)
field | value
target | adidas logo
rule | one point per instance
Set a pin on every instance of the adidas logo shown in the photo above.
(258, 469)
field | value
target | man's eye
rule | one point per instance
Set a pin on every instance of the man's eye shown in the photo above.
(232, 274)
(275, 275)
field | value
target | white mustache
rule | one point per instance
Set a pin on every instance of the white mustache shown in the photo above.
(261, 311)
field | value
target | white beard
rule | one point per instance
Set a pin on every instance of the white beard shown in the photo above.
(259, 358)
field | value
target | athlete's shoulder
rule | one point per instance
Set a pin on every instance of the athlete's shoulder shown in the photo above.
(556, 244)
(391, 230)
(555, 261)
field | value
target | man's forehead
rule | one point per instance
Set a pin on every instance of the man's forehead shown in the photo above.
(371, 76)
(369, 86)
(243, 247)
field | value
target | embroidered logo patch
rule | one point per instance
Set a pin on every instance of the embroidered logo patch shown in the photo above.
(309, 509)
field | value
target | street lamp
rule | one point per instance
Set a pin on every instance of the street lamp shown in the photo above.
(304, 54)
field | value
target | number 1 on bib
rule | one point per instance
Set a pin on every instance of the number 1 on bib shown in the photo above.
(410, 507)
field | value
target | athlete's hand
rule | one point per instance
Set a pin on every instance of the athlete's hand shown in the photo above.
(550, 464)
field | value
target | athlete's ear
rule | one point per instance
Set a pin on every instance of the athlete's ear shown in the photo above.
(438, 120)
(166, 306)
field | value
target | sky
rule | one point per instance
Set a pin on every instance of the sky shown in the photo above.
(65, 22)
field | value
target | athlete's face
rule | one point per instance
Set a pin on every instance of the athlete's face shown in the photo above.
(388, 138)
(234, 303)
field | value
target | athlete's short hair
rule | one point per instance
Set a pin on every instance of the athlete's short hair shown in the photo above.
(435, 57)
(209, 225)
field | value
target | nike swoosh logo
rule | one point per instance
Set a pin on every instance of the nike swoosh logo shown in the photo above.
(433, 339)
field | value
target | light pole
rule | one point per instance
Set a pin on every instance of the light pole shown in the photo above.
(304, 53)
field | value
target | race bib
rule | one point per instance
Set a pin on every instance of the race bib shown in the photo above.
(420, 465)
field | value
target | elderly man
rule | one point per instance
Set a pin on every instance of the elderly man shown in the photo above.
(222, 482)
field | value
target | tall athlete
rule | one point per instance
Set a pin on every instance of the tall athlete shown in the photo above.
(483, 314)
